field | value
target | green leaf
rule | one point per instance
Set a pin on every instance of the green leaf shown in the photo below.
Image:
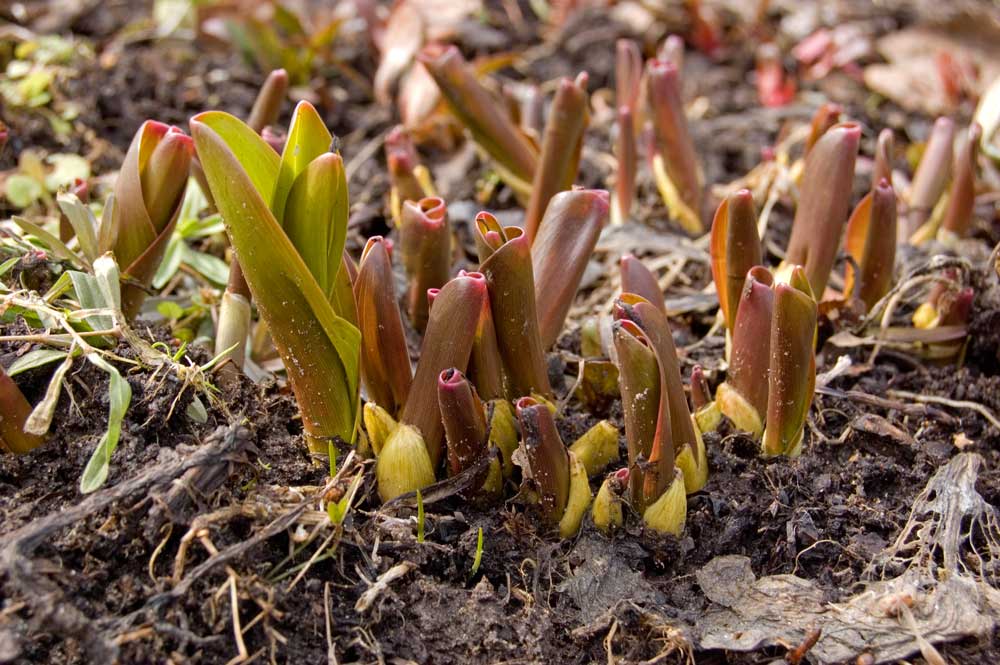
(256, 157)
(320, 349)
(196, 411)
(89, 295)
(22, 190)
(51, 242)
(8, 264)
(119, 395)
(83, 222)
(211, 267)
(40, 420)
(173, 256)
(35, 359)
(316, 218)
(308, 138)
(170, 310)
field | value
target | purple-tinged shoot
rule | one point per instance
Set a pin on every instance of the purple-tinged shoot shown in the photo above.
(148, 195)
(506, 261)
(871, 244)
(425, 249)
(561, 145)
(824, 201)
(743, 396)
(14, 413)
(735, 248)
(385, 360)
(957, 220)
(488, 122)
(564, 245)
(640, 280)
(675, 163)
(557, 477)
(792, 372)
(931, 177)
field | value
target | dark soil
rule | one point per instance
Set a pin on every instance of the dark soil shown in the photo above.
(105, 582)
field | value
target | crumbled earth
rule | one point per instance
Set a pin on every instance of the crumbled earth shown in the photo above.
(149, 566)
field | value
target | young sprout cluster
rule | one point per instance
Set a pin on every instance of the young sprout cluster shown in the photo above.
(477, 406)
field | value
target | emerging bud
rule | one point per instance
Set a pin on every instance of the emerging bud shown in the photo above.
(825, 117)
(871, 243)
(743, 396)
(562, 248)
(379, 424)
(638, 279)
(579, 499)
(506, 263)
(674, 158)
(547, 466)
(627, 156)
(475, 108)
(447, 344)
(14, 413)
(385, 360)
(148, 195)
(607, 509)
(405, 171)
(597, 448)
(792, 372)
(931, 177)
(561, 145)
(464, 420)
(425, 247)
(823, 203)
(403, 464)
(882, 167)
(958, 216)
(735, 249)
(628, 74)
(672, 51)
(267, 106)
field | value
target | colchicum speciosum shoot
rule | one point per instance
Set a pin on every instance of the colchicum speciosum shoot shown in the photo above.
(287, 221)
(882, 163)
(638, 279)
(791, 376)
(557, 478)
(743, 396)
(772, 373)
(931, 177)
(15, 410)
(675, 164)
(563, 245)
(957, 221)
(425, 250)
(628, 78)
(147, 201)
(465, 430)
(505, 260)
(385, 360)
(825, 117)
(824, 201)
(234, 310)
(409, 178)
(607, 510)
(871, 244)
(735, 248)
(491, 127)
(562, 142)
(666, 453)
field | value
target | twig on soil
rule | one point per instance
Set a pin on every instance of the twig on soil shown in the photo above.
(381, 584)
(955, 404)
